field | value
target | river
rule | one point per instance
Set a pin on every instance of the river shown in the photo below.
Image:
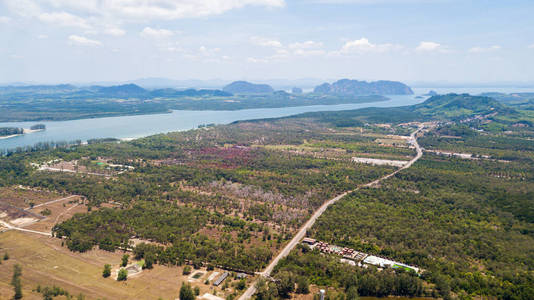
(127, 127)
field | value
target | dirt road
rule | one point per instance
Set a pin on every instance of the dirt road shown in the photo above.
(302, 231)
(9, 226)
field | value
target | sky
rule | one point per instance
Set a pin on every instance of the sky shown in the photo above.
(471, 41)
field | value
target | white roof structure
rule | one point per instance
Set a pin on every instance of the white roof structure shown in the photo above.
(382, 262)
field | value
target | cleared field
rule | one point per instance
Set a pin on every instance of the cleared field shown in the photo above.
(58, 212)
(44, 262)
(24, 197)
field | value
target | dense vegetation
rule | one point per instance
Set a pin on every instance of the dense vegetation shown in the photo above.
(468, 222)
(348, 280)
(233, 195)
(5, 131)
(225, 195)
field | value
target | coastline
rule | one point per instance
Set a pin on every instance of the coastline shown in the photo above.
(9, 136)
(24, 131)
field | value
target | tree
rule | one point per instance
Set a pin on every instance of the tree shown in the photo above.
(123, 275)
(124, 260)
(352, 293)
(107, 271)
(187, 270)
(285, 284)
(6, 256)
(266, 290)
(303, 286)
(16, 283)
(242, 284)
(197, 290)
(149, 260)
(186, 293)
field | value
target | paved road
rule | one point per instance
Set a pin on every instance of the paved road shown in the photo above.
(302, 231)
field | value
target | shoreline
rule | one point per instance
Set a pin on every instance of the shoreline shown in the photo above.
(9, 136)
(200, 109)
(24, 131)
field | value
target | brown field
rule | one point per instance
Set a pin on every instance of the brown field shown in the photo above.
(60, 211)
(45, 262)
(22, 197)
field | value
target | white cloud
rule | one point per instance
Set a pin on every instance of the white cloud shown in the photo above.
(255, 60)
(4, 20)
(314, 52)
(265, 42)
(363, 45)
(42, 36)
(482, 49)
(305, 45)
(64, 19)
(428, 46)
(531, 46)
(376, 1)
(25, 8)
(114, 31)
(155, 33)
(83, 41)
(147, 10)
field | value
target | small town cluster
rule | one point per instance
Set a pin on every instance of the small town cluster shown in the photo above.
(354, 257)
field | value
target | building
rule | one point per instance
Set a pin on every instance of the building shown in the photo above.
(309, 241)
(221, 278)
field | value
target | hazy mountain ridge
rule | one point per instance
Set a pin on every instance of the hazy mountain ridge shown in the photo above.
(245, 87)
(116, 91)
(348, 87)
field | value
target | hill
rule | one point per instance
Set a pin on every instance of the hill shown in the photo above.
(347, 87)
(125, 90)
(490, 113)
(244, 87)
(460, 106)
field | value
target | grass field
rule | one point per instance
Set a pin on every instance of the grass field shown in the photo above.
(45, 262)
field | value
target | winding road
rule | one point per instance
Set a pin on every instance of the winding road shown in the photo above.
(302, 231)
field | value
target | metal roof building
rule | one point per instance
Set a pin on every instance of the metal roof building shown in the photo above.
(221, 278)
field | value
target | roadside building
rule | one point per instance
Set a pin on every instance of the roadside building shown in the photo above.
(221, 278)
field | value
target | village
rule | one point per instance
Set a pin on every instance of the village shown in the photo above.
(353, 257)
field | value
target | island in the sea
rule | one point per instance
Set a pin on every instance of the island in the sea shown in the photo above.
(9, 132)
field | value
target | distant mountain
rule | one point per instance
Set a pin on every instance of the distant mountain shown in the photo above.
(244, 87)
(431, 93)
(160, 83)
(125, 90)
(189, 93)
(347, 87)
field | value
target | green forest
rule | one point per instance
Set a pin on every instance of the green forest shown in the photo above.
(233, 195)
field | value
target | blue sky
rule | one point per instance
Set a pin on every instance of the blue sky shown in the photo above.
(409, 40)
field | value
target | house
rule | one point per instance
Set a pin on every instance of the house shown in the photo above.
(221, 278)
